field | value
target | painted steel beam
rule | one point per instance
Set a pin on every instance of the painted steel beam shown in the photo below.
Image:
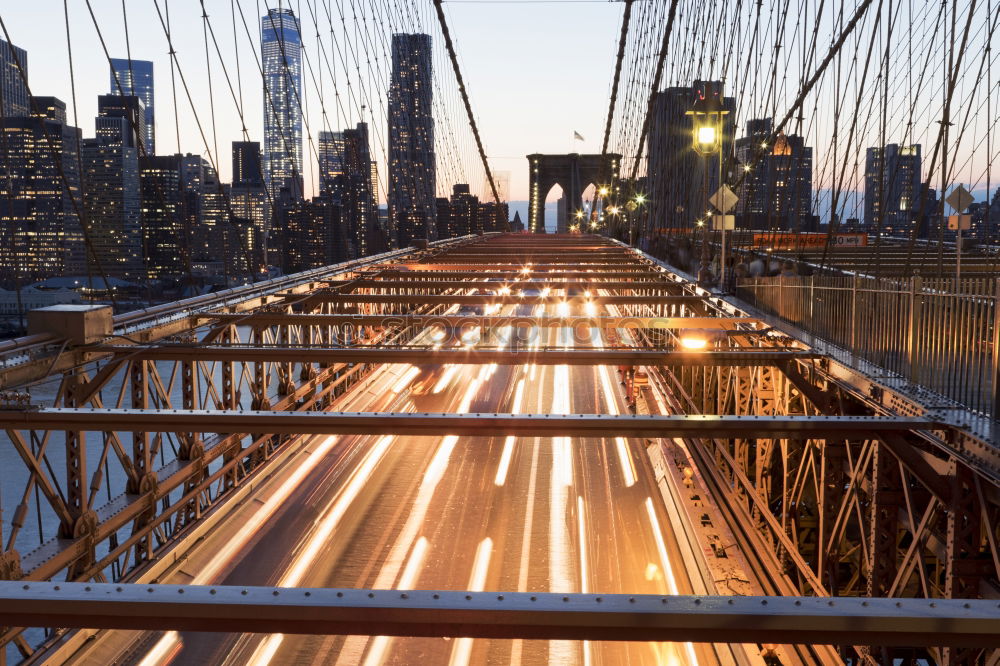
(503, 615)
(513, 281)
(536, 268)
(493, 299)
(456, 321)
(426, 355)
(480, 273)
(470, 425)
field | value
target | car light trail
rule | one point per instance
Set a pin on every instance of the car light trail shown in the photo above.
(165, 648)
(164, 651)
(508, 445)
(405, 379)
(477, 583)
(321, 536)
(584, 574)
(446, 378)
(668, 571)
(408, 581)
(625, 459)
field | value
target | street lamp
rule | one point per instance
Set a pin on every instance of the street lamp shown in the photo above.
(706, 136)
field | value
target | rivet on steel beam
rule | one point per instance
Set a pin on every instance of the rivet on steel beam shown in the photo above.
(243, 592)
(371, 595)
(180, 591)
(27, 587)
(149, 589)
(565, 598)
(212, 591)
(499, 597)
(404, 595)
(275, 593)
(468, 597)
(57, 588)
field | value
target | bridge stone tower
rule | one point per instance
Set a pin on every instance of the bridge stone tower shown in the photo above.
(574, 173)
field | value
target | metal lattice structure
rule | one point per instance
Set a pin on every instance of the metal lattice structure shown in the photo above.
(831, 483)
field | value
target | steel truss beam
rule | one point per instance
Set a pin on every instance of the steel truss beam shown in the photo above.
(537, 269)
(491, 299)
(485, 272)
(512, 280)
(618, 617)
(425, 355)
(466, 321)
(416, 424)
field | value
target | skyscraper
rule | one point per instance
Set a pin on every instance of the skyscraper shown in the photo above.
(331, 163)
(412, 182)
(245, 239)
(135, 77)
(892, 188)
(776, 191)
(460, 215)
(39, 229)
(111, 196)
(359, 214)
(164, 238)
(675, 173)
(247, 170)
(12, 86)
(281, 50)
(130, 108)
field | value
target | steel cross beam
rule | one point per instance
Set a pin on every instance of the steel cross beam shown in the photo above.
(470, 425)
(465, 321)
(536, 270)
(425, 355)
(494, 299)
(486, 272)
(512, 281)
(507, 615)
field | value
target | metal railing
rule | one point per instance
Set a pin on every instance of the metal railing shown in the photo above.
(940, 334)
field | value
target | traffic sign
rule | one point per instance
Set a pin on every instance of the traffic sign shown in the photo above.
(959, 199)
(724, 199)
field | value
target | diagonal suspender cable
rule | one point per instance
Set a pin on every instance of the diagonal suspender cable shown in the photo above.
(468, 108)
(654, 87)
(626, 17)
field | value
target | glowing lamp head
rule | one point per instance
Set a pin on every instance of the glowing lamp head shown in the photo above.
(603, 191)
(693, 342)
(706, 124)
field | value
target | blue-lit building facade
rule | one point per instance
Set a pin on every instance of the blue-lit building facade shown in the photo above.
(135, 77)
(281, 50)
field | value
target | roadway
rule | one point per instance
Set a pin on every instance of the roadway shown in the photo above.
(479, 513)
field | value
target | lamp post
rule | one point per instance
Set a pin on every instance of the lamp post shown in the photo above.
(706, 139)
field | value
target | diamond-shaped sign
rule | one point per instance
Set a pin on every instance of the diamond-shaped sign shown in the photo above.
(959, 199)
(724, 199)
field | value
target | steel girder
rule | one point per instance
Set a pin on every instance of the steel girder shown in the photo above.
(487, 272)
(465, 322)
(476, 355)
(617, 617)
(402, 287)
(491, 299)
(387, 423)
